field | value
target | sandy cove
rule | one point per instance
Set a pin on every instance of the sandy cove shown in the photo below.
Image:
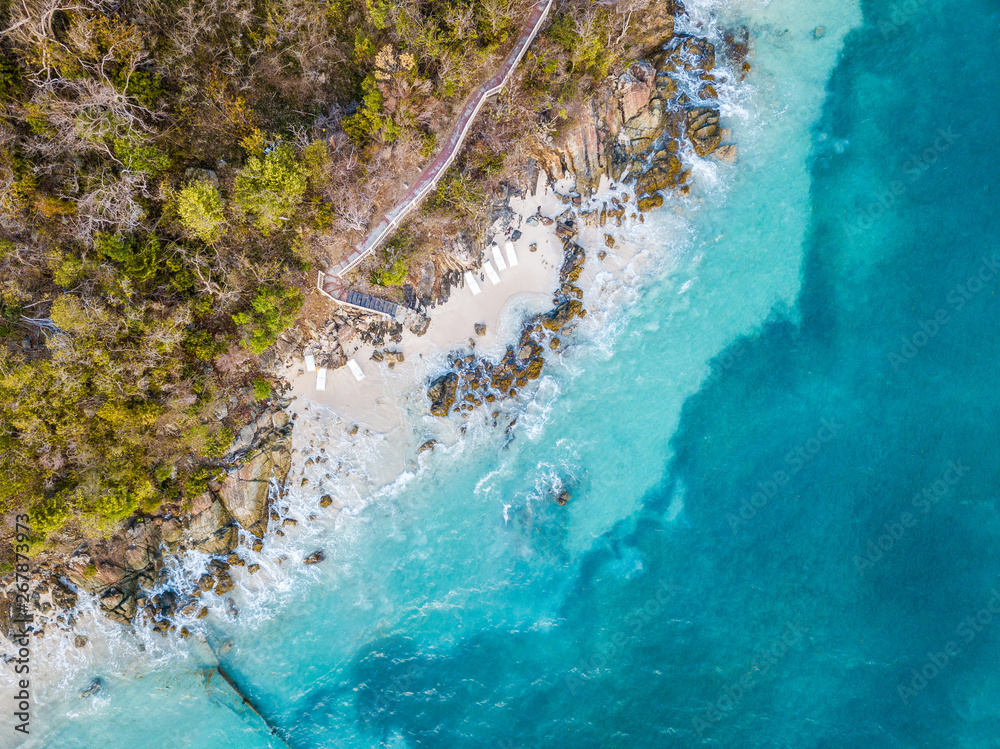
(379, 402)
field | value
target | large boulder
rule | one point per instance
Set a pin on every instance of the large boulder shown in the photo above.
(703, 130)
(664, 174)
(562, 315)
(211, 530)
(655, 28)
(118, 602)
(442, 394)
(142, 545)
(647, 126)
(580, 149)
(635, 88)
(246, 490)
(8, 612)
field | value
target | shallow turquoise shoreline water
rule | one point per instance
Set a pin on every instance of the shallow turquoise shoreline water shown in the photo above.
(784, 526)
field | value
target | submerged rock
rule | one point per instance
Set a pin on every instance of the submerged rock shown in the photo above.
(728, 154)
(315, 558)
(95, 686)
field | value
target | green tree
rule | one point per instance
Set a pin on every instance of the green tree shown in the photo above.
(200, 208)
(140, 157)
(49, 514)
(271, 311)
(271, 187)
(369, 123)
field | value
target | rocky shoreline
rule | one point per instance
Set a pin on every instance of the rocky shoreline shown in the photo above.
(639, 125)
(120, 571)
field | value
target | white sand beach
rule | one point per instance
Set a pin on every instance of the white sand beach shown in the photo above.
(380, 399)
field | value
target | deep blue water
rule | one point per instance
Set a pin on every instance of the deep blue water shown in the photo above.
(803, 551)
(832, 610)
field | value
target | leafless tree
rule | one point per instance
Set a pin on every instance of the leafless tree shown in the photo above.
(83, 115)
(113, 206)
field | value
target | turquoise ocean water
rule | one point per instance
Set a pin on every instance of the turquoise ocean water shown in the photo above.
(781, 448)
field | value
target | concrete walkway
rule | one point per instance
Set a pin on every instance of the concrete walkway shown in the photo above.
(330, 283)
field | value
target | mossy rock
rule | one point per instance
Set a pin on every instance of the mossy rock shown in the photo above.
(650, 202)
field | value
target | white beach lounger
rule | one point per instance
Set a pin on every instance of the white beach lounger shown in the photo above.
(490, 273)
(355, 370)
(498, 258)
(321, 378)
(470, 281)
(310, 363)
(511, 256)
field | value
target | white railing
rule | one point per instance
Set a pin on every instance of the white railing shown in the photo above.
(402, 210)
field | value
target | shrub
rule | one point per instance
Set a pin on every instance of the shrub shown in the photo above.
(113, 246)
(68, 272)
(200, 207)
(197, 482)
(378, 13)
(143, 86)
(587, 54)
(140, 260)
(202, 345)
(50, 514)
(216, 444)
(458, 193)
(70, 315)
(391, 273)
(261, 389)
(114, 506)
(368, 123)
(316, 157)
(253, 142)
(428, 141)
(10, 78)
(16, 481)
